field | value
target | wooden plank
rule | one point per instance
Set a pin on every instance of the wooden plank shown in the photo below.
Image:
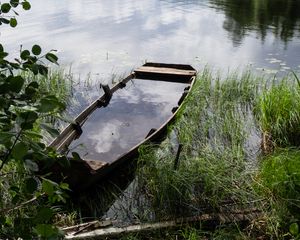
(96, 164)
(170, 65)
(165, 70)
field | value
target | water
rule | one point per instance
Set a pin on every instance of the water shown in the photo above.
(114, 36)
(134, 110)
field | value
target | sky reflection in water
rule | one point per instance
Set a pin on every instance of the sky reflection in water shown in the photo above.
(132, 112)
(113, 36)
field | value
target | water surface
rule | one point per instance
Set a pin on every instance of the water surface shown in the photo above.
(132, 112)
(114, 36)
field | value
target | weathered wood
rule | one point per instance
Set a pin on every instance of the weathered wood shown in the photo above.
(96, 164)
(170, 65)
(107, 95)
(89, 226)
(152, 130)
(176, 162)
(67, 135)
(165, 70)
(239, 216)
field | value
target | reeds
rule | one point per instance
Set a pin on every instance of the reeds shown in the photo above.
(278, 113)
(213, 128)
(58, 82)
(216, 128)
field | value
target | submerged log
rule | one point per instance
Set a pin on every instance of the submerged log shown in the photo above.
(214, 219)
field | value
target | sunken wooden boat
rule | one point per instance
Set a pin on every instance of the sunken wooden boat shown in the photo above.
(92, 166)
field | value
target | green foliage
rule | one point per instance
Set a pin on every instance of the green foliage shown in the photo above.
(213, 127)
(278, 113)
(279, 181)
(28, 199)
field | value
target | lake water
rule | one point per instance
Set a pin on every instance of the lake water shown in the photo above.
(114, 36)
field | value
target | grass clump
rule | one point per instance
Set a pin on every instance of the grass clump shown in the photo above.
(278, 113)
(213, 128)
(217, 127)
(58, 82)
(279, 182)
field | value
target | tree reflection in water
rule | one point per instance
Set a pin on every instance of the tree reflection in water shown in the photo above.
(281, 17)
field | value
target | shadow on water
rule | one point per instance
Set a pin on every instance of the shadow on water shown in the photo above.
(97, 200)
(280, 17)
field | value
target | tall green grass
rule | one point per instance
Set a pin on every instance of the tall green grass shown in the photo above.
(278, 114)
(279, 182)
(58, 82)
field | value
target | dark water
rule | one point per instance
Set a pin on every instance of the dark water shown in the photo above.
(114, 36)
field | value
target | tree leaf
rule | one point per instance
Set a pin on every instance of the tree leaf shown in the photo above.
(6, 136)
(5, 7)
(64, 186)
(32, 134)
(26, 5)
(46, 230)
(49, 104)
(43, 70)
(31, 185)
(32, 88)
(14, 3)
(294, 229)
(4, 20)
(35, 69)
(13, 22)
(16, 84)
(19, 151)
(76, 156)
(25, 54)
(27, 119)
(29, 116)
(31, 166)
(52, 58)
(36, 50)
(48, 186)
(44, 215)
(52, 131)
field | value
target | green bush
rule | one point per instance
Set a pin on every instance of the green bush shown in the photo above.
(28, 199)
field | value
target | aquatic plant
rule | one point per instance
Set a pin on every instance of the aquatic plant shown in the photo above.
(213, 127)
(58, 82)
(278, 114)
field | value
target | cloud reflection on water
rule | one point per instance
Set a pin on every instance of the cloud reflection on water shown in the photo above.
(106, 35)
(132, 112)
